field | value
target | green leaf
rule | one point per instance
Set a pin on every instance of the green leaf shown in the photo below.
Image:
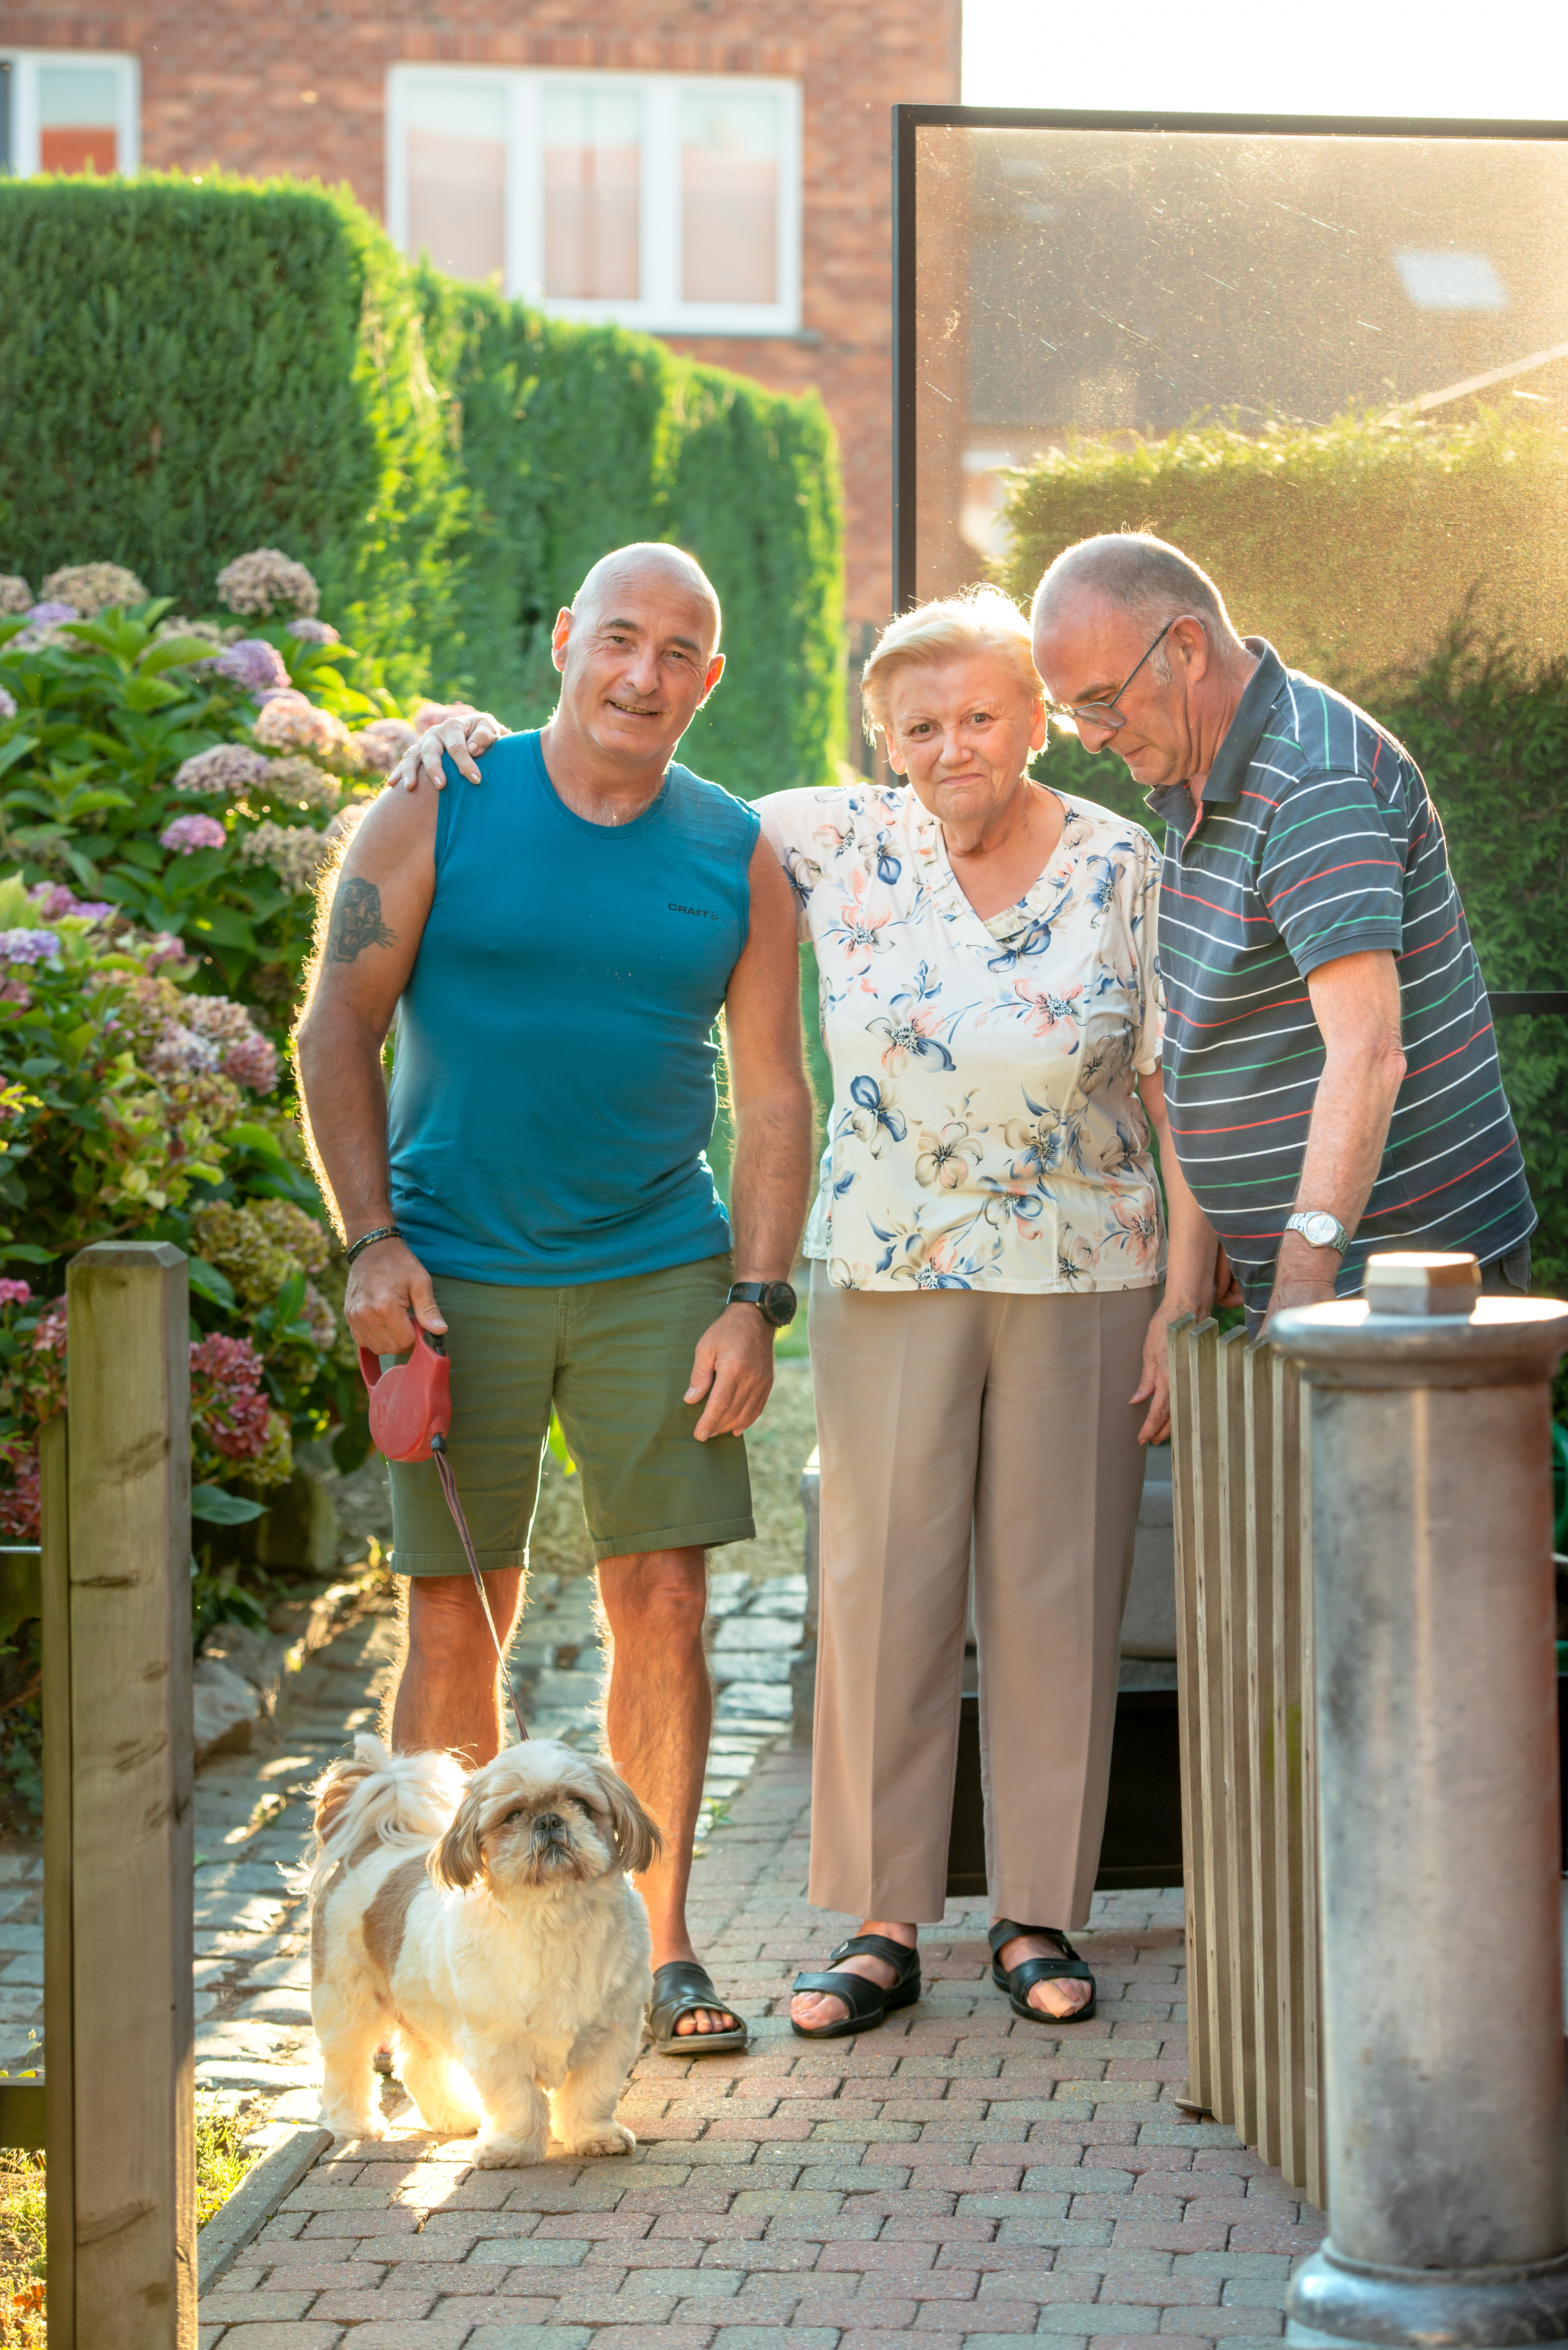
(173, 653)
(290, 1297)
(17, 748)
(25, 1252)
(209, 1283)
(217, 1508)
(248, 1136)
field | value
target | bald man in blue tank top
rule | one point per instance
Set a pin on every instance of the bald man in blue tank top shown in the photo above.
(554, 949)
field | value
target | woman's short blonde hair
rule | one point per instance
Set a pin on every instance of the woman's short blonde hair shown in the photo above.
(981, 621)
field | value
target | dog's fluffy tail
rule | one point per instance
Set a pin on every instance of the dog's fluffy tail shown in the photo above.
(403, 1800)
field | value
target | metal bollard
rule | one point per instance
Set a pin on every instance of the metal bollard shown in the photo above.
(1431, 1489)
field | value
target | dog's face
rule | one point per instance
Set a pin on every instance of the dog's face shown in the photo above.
(543, 1818)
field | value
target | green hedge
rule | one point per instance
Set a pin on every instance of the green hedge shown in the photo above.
(1492, 742)
(190, 371)
(1351, 545)
(574, 438)
(187, 372)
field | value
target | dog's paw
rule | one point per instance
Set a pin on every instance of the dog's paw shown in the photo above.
(607, 2138)
(450, 2121)
(509, 2153)
(354, 2125)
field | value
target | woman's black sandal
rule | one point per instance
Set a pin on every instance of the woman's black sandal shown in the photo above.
(1016, 1980)
(869, 2003)
(679, 1988)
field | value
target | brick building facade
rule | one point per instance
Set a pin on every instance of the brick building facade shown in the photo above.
(774, 115)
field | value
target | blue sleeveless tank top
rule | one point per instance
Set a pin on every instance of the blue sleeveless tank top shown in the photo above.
(553, 1085)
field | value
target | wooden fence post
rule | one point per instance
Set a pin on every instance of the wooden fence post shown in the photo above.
(118, 1857)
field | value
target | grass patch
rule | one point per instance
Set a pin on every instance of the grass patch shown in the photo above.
(22, 2319)
(222, 2161)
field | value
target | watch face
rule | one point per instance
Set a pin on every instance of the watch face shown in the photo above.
(1319, 1231)
(778, 1303)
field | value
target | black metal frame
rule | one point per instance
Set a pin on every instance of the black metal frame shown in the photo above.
(908, 119)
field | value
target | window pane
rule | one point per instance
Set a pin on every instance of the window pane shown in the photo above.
(593, 161)
(729, 145)
(457, 174)
(78, 113)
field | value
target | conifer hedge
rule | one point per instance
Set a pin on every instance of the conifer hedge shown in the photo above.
(186, 371)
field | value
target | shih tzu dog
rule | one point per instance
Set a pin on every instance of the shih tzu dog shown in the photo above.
(489, 1922)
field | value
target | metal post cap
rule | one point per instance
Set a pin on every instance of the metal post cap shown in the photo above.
(1415, 1282)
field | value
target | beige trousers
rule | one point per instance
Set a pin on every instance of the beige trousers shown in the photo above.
(946, 1417)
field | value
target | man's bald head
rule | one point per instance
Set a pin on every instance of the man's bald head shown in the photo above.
(649, 562)
(1148, 579)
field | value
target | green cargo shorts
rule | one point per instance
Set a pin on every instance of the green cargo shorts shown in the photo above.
(615, 1358)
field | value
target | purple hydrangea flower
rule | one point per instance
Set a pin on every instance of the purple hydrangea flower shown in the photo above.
(164, 947)
(254, 664)
(29, 946)
(315, 632)
(54, 901)
(189, 833)
(48, 616)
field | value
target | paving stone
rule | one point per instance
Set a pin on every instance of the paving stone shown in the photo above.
(284, 2335)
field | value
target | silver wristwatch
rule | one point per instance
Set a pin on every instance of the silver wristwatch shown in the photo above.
(1319, 1229)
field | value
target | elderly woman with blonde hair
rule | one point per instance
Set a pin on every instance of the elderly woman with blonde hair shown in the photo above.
(987, 1321)
(988, 1336)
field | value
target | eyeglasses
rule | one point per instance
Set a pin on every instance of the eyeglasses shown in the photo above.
(1105, 714)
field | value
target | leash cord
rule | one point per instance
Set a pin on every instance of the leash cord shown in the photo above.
(449, 1487)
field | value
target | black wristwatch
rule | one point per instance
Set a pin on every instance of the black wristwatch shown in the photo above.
(776, 1301)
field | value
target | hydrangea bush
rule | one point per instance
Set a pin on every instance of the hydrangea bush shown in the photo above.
(194, 773)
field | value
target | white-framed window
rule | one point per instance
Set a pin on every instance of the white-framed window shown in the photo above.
(68, 110)
(665, 201)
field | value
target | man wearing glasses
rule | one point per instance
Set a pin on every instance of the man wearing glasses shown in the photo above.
(1330, 1065)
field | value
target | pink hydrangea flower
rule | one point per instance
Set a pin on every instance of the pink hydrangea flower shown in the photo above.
(253, 1062)
(164, 947)
(314, 633)
(187, 834)
(15, 1293)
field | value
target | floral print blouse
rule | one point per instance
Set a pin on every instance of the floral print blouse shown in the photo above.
(986, 1131)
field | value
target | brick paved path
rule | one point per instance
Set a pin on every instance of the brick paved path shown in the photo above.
(959, 2175)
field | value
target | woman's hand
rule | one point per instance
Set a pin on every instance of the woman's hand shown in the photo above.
(465, 738)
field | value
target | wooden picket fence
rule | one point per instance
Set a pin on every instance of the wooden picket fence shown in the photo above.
(1244, 1647)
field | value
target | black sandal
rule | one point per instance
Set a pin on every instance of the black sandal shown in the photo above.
(1016, 1980)
(868, 2003)
(679, 1988)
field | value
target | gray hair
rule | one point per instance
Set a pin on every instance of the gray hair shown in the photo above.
(1146, 577)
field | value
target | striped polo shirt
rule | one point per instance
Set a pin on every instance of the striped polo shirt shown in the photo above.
(1316, 838)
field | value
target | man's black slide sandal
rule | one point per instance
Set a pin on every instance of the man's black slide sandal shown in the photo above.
(868, 2003)
(679, 1988)
(1016, 1980)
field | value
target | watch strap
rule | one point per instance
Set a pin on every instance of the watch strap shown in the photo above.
(1304, 1216)
(368, 1240)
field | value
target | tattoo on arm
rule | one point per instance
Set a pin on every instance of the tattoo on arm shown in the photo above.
(356, 922)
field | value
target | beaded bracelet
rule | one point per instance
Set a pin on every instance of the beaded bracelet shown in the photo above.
(367, 1240)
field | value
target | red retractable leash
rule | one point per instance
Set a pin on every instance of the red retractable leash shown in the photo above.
(410, 1413)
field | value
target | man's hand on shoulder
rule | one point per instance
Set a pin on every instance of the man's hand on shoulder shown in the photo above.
(466, 737)
(733, 1367)
(389, 1294)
